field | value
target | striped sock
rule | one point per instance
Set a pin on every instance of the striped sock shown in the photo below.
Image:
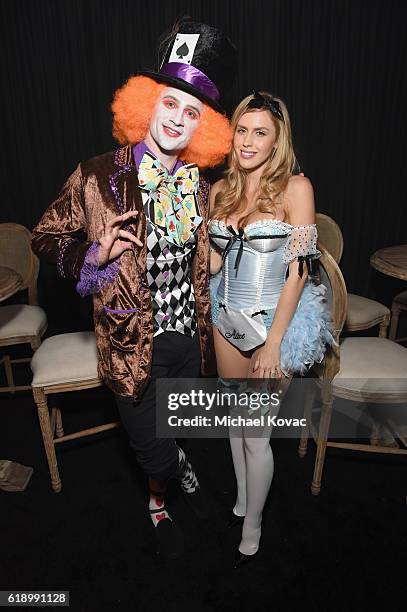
(185, 474)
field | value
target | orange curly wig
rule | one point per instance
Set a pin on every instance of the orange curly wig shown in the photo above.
(133, 107)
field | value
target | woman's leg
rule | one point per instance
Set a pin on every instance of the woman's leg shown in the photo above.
(232, 364)
(259, 474)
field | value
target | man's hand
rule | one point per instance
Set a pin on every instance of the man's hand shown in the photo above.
(114, 240)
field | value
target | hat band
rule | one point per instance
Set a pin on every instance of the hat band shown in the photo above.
(193, 76)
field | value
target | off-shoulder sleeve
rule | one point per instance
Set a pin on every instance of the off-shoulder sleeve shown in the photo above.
(302, 246)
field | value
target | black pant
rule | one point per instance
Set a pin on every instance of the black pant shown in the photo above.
(174, 356)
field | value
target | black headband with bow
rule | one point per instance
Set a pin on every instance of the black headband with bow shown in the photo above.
(259, 101)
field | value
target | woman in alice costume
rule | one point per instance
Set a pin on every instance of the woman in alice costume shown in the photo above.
(269, 319)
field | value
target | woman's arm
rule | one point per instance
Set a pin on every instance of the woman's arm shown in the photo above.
(216, 258)
(299, 202)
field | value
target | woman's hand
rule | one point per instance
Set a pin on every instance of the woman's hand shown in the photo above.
(114, 240)
(265, 362)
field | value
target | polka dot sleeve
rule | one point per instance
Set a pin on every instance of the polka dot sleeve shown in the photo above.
(301, 242)
(301, 245)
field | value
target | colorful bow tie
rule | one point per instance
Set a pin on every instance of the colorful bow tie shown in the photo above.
(172, 204)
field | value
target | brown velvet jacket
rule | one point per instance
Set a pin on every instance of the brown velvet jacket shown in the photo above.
(99, 189)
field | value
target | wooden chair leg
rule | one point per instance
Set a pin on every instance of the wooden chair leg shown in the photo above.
(52, 420)
(35, 343)
(309, 403)
(324, 424)
(9, 372)
(59, 430)
(395, 313)
(383, 327)
(375, 435)
(47, 435)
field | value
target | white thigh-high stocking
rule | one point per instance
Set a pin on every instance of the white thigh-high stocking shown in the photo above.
(259, 474)
(239, 463)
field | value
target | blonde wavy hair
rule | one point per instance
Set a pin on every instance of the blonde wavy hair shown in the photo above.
(276, 172)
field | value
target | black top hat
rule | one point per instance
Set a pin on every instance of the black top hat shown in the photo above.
(198, 59)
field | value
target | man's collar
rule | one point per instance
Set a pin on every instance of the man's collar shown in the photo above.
(141, 148)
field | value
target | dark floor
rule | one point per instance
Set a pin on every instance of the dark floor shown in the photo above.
(343, 550)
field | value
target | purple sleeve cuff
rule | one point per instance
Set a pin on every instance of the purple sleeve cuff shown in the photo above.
(92, 277)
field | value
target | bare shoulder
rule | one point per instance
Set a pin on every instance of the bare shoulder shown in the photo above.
(299, 200)
(216, 188)
(299, 185)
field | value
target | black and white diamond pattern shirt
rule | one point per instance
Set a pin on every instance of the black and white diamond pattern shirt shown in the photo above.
(169, 279)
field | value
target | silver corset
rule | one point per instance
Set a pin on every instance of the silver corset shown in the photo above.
(252, 255)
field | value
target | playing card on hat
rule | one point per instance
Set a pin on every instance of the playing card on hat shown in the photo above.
(183, 48)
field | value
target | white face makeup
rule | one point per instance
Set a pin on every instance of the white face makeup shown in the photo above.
(254, 139)
(175, 119)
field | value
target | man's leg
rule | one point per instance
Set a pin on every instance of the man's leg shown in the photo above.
(158, 458)
(186, 363)
(174, 355)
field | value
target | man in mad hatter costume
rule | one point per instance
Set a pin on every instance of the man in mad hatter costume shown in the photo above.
(143, 210)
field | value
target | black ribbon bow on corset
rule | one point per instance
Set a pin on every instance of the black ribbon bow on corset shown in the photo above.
(235, 236)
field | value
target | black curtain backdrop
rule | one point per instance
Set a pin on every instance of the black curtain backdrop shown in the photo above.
(339, 64)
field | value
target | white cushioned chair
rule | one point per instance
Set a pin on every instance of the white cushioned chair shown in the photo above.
(20, 323)
(364, 370)
(362, 312)
(63, 363)
(399, 304)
